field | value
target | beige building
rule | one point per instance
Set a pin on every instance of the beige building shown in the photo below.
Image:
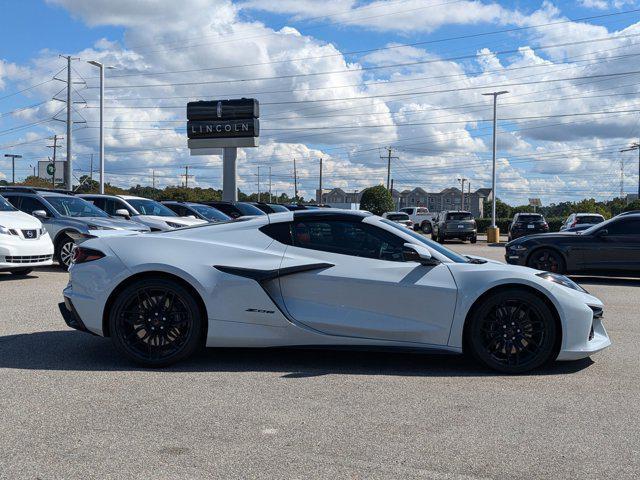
(447, 199)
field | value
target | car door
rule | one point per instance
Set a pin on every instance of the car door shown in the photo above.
(365, 289)
(618, 250)
(31, 204)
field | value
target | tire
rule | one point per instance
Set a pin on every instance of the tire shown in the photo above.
(440, 238)
(474, 239)
(518, 314)
(171, 331)
(426, 227)
(21, 271)
(64, 249)
(548, 260)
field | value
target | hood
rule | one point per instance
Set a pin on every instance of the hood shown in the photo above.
(19, 220)
(541, 236)
(114, 223)
(160, 223)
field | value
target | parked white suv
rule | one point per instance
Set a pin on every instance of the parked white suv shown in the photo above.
(24, 242)
(420, 216)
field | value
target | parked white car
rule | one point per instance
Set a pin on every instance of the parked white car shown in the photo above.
(24, 242)
(399, 217)
(420, 216)
(322, 277)
(148, 212)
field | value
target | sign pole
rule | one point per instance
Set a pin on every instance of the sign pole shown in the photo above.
(229, 174)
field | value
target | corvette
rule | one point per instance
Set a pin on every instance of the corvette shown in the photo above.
(322, 278)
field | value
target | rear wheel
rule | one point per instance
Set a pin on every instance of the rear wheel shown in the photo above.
(513, 331)
(64, 251)
(547, 260)
(21, 271)
(426, 227)
(440, 238)
(474, 239)
(156, 323)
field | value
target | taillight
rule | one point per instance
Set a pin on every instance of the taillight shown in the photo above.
(83, 255)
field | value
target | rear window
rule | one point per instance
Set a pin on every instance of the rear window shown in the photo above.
(398, 216)
(530, 218)
(590, 219)
(459, 216)
(422, 211)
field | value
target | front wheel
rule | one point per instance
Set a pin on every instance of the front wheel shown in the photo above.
(547, 260)
(64, 251)
(426, 227)
(156, 322)
(474, 239)
(513, 331)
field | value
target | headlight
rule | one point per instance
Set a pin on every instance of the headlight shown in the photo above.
(561, 280)
(99, 227)
(4, 230)
(43, 231)
(174, 225)
(517, 248)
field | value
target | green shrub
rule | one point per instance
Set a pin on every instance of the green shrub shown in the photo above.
(376, 200)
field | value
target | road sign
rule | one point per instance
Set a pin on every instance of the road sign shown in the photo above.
(243, 108)
(535, 202)
(223, 128)
(223, 119)
(46, 169)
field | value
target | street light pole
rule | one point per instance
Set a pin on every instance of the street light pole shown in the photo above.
(13, 166)
(101, 67)
(494, 232)
(634, 146)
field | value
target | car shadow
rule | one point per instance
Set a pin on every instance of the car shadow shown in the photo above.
(68, 350)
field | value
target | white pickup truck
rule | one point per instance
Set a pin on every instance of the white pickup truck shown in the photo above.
(420, 216)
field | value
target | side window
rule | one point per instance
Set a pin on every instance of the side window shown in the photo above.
(280, 232)
(98, 202)
(347, 238)
(30, 204)
(120, 205)
(173, 208)
(625, 226)
(13, 200)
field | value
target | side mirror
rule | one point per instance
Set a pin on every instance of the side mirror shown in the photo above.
(600, 233)
(417, 253)
(122, 212)
(40, 214)
(191, 216)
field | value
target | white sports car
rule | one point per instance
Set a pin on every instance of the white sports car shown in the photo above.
(322, 278)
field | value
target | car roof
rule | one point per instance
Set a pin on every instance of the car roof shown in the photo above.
(587, 215)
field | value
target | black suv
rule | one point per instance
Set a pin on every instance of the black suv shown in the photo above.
(235, 209)
(527, 224)
(454, 224)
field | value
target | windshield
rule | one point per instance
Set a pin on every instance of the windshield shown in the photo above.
(459, 216)
(150, 207)
(278, 208)
(248, 209)
(5, 206)
(530, 218)
(451, 255)
(397, 216)
(69, 206)
(210, 213)
(594, 228)
(590, 219)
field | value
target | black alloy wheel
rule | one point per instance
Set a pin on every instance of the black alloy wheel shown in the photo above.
(513, 332)
(156, 322)
(546, 260)
(64, 251)
(426, 227)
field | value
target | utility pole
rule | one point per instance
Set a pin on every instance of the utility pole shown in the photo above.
(13, 166)
(319, 196)
(635, 146)
(69, 164)
(462, 180)
(295, 182)
(269, 183)
(258, 183)
(153, 179)
(91, 169)
(493, 235)
(469, 194)
(389, 158)
(621, 177)
(34, 170)
(101, 67)
(186, 176)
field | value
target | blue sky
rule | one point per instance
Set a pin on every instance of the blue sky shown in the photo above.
(554, 159)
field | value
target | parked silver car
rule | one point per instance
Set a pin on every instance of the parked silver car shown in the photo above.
(67, 218)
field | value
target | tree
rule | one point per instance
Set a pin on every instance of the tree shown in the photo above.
(635, 205)
(376, 200)
(502, 209)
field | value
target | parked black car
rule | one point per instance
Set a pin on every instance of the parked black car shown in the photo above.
(197, 210)
(454, 224)
(235, 209)
(269, 207)
(608, 248)
(527, 224)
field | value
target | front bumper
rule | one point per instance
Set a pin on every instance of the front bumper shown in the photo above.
(516, 257)
(17, 253)
(596, 340)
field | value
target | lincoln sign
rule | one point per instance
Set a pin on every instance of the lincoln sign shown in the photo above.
(223, 123)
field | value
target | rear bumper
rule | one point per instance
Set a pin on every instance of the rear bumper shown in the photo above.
(71, 317)
(460, 233)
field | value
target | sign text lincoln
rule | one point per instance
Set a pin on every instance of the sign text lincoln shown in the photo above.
(223, 128)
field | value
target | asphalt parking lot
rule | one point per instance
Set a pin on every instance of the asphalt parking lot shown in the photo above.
(71, 408)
